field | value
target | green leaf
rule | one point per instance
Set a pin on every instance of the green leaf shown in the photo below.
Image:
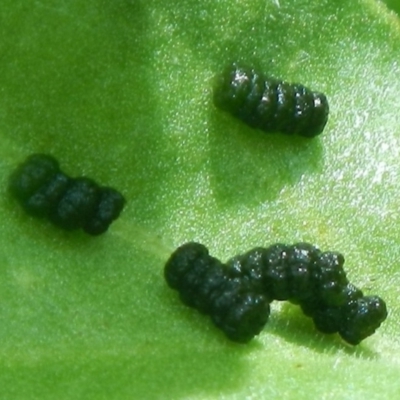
(393, 5)
(120, 91)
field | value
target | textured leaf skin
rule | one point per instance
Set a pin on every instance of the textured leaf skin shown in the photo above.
(122, 91)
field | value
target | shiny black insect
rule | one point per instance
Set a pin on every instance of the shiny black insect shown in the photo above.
(270, 104)
(237, 294)
(70, 203)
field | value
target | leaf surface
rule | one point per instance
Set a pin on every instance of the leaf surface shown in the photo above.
(121, 92)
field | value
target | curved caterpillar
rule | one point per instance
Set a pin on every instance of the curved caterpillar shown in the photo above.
(70, 203)
(270, 104)
(294, 272)
(237, 294)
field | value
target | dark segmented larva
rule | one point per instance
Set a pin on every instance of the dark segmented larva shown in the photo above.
(270, 104)
(70, 203)
(317, 282)
(203, 283)
(237, 294)
(240, 310)
(294, 272)
(356, 319)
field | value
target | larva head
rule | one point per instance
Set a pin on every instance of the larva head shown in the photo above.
(362, 319)
(110, 205)
(319, 117)
(181, 261)
(232, 87)
(31, 175)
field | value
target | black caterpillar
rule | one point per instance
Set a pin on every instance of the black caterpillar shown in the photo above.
(237, 295)
(270, 104)
(203, 282)
(70, 203)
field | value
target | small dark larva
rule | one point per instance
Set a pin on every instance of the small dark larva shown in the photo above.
(203, 282)
(70, 203)
(361, 318)
(237, 294)
(269, 104)
(239, 310)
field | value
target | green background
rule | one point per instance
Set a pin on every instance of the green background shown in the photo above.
(121, 91)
